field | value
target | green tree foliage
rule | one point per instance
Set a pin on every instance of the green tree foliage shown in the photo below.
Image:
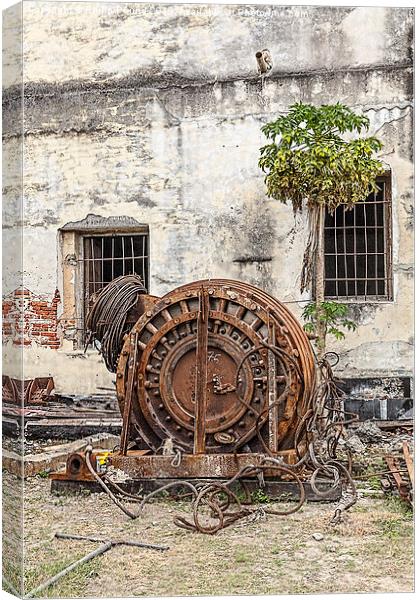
(309, 160)
(334, 316)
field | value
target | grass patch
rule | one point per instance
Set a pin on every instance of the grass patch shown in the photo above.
(395, 527)
(396, 505)
(242, 557)
(71, 585)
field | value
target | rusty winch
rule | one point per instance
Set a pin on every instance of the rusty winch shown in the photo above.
(209, 377)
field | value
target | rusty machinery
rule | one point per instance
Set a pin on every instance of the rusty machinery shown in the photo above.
(216, 372)
(216, 381)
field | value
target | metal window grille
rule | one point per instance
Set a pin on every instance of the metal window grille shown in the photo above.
(106, 257)
(357, 250)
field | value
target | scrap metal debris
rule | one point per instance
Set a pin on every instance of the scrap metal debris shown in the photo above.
(28, 391)
(400, 478)
(215, 505)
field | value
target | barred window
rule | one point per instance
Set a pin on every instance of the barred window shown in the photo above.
(358, 248)
(106, 257)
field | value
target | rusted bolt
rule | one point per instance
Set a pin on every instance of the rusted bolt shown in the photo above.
(149, 313)
(168, 418)
(160, 407)
(119, 375)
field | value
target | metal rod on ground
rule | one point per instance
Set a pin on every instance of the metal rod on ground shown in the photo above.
(103, 548)
(106, 545)
(67, 536)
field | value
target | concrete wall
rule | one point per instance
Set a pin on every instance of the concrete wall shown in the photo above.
(155, 113)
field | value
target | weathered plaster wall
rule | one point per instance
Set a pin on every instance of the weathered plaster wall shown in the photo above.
(155, 113)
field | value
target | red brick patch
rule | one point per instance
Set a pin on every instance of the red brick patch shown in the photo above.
(29, 318)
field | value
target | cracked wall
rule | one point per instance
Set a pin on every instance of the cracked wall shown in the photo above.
(165, 127)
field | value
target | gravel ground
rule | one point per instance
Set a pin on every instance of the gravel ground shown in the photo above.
(371, 551)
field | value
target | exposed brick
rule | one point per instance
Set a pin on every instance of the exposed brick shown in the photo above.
(39, 321)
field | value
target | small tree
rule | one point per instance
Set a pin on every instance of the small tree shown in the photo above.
(309, 162)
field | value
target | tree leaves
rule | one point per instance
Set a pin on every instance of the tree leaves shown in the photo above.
(332, 314)
(308, 160)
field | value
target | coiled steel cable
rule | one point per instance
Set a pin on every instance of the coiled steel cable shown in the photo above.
(106, 321)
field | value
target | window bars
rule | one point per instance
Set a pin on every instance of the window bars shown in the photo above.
(106, 257)
(357, 254)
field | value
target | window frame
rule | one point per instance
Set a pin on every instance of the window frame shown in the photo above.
(71, 278)
(388, 296)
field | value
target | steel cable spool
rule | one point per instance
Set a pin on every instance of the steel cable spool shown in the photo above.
(239, 319)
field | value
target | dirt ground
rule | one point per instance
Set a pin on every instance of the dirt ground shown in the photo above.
(371, 551)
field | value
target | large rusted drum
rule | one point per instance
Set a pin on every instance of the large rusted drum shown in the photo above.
(215, 366)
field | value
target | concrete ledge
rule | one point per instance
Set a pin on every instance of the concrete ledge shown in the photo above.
(55, 456)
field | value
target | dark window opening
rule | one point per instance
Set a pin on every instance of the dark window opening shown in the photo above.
(106, 257)
(358, 248)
